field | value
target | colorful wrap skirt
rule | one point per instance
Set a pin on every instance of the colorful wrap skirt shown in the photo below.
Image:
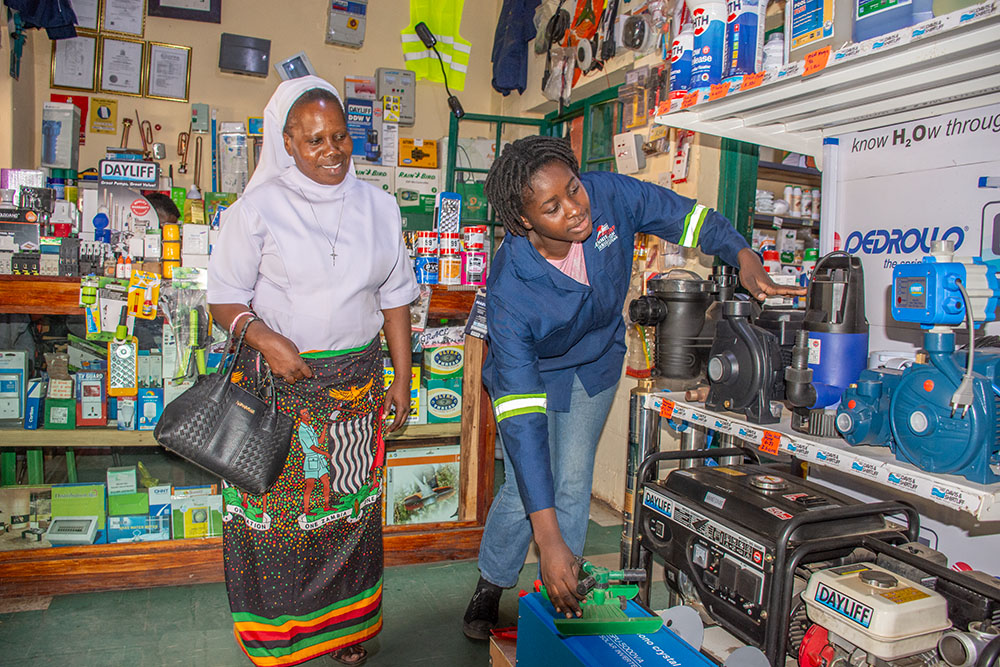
(303, 561)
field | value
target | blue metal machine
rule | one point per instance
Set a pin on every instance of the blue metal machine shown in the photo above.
(941, 416)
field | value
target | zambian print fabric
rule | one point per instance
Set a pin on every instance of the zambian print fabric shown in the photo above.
(303, 561)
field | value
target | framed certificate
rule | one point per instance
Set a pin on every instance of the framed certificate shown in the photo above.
(168, 71)
(209, 11)
(123, 17)
(121, 66)
(74, 62)
(87, 13)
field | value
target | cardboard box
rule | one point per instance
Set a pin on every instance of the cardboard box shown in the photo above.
(445, 361)
(195, 238)
(196, 516)
(60, 136)
(149, 408)
(416, 191)
(364, 123)
(160, 507)
(60, 413)
(444, 400)
(13, 383)
(25, 507)
(421, 153)
(383, 178)
(422, 484)
(389, 374)
(34, 403)
(122, 480)
(91, 399)
(137, 528)
(82, 500)
(123, 504)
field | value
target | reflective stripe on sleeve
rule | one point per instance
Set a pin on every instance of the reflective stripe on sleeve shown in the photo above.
(518, 404)
(692, 226)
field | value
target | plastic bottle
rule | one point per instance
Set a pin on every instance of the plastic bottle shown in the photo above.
(709, 18)
(795, 205)
(680, 60)
(744, 36)
(873, 18)
(774, 53)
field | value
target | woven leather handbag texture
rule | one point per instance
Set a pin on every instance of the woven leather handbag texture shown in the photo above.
(227, 430)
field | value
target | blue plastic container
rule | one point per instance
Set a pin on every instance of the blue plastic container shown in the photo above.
(708, 60)
(873, 18)
(744, 36)
(681, 51)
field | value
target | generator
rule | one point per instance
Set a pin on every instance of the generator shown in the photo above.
(730, 535)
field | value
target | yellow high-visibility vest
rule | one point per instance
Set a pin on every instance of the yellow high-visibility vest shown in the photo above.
(443, 17)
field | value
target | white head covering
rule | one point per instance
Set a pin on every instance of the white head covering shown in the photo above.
(273, 158)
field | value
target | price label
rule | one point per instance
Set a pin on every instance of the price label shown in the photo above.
(690, 100)
(816, 61)
(667, 409)
(770, 442)
(718, 91)
(751, 81)
(663, 108)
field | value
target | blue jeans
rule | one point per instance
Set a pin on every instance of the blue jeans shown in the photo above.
(573, 440)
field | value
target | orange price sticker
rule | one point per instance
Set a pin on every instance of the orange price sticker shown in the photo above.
(751, 81)
(663, 108)
(770, 442)
(667, 409)
(690, 100)
(816, 61)
(718, 90)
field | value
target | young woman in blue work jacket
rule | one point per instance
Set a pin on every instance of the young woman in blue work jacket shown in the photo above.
(557, 343)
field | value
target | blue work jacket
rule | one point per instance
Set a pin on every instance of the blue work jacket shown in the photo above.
(544, 327)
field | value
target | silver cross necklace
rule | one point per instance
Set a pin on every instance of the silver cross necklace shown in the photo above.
(340, 220)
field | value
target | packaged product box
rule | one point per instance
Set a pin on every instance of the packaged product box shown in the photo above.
(422, 484)
(383, 178)
(444, 400)
(34, 402)
(60, 413)
(124, 504)
(196, 516)
(60, 136)
(137, 528)
(149, 407)
(389, 374)
(444, 361)
(82, 500)
(25, 507)
(122, 479)
(416, 191)
(421, 153)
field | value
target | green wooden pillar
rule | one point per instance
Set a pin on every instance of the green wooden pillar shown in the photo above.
(8, 467)
(36, 470)
(71, 466)
(738, 184)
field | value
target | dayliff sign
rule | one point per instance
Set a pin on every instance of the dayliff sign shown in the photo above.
(138, 174)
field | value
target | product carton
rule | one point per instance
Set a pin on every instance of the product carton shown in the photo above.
(122, 480)
(416, 191)
(444, 400)
(383, 178)
(81, 500)
(123, 504)
(445, 361)
(196, 516)
(422, 484)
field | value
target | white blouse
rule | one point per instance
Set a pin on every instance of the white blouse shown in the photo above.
(274, 251)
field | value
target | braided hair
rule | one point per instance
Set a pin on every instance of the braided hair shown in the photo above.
(512, 172)
(308, 97)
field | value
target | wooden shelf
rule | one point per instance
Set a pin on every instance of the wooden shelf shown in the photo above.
(40, 295)
(97, 437)
(775, 171)
(103, 567)
(766, 221)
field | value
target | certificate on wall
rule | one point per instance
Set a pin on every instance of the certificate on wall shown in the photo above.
(121, 66)
(125, 17)
(86, 13)
(74, 63)
(168, 71)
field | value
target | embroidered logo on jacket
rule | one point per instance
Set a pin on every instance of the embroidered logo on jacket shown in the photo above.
(605, 236)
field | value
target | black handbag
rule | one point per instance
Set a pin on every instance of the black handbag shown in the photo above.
(227, 430)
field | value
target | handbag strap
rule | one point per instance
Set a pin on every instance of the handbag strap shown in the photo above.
(227, 365)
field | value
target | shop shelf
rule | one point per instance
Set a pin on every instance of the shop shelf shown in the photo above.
(768, 221)
(875, 464)
(940, 66)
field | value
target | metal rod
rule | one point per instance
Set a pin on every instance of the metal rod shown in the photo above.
(643, 440)
(692, 439)
(726, 440)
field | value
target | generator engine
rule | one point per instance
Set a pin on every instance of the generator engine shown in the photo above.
(720, 530)
(864, 614)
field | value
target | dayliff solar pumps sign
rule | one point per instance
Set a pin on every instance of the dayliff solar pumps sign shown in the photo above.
(138, 174)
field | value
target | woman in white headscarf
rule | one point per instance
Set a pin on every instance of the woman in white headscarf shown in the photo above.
(315, 259)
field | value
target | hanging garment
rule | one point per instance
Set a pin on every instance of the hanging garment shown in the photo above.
(56, 16)
(443, 17)
(515, 28)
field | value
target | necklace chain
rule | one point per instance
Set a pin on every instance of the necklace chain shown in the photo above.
(340, 220)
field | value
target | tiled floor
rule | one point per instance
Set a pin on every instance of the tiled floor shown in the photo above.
(191, 625)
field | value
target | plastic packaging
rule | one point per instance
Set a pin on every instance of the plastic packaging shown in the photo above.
(709, 18)
(681, 51)
(744, 36)
(814, 24)
(773, 58)
(873, 18)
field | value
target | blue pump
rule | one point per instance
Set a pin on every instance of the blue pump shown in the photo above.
(937, 416)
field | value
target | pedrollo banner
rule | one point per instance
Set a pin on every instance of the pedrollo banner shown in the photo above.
(901, 187)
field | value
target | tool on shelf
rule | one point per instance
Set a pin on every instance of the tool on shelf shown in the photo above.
(183, 143)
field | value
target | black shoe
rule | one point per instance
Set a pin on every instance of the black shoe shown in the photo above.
(483, 611)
